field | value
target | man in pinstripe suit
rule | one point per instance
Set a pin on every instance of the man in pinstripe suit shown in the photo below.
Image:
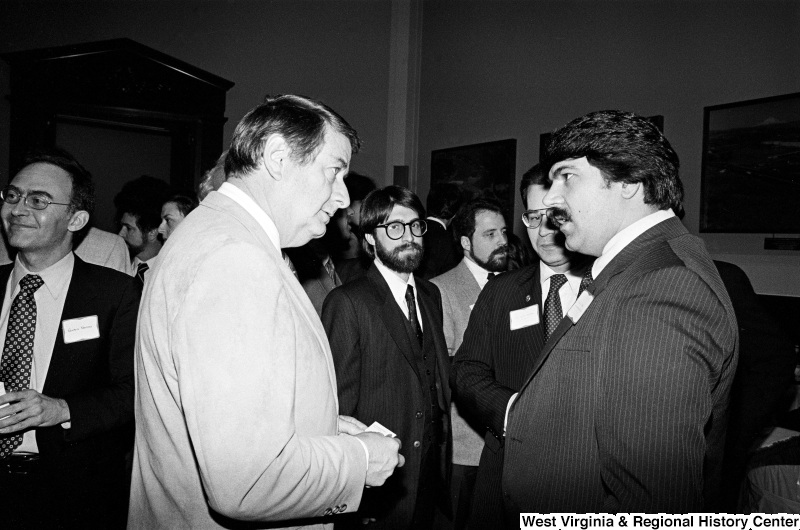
(625, 408)
(505, 333)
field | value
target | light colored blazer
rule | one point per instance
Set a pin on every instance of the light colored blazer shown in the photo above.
(459, 292)
(236, 404)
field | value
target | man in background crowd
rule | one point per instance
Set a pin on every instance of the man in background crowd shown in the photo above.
(442, 252)
(480, 228)
(138, 207)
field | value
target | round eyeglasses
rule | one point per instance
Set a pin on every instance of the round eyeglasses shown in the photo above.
(396, 229)
(533, 218)
(35, 200)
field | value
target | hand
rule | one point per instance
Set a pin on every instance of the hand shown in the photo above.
(349, 425)
(383, 457)
(29, 409)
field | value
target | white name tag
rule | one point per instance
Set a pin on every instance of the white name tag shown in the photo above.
(78, 329)
(525, 317)
(579, 307)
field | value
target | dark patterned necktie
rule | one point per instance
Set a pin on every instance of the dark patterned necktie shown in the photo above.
(586, 281)
(15, 368)
(552, 306)
(412, 313)
(140, 270)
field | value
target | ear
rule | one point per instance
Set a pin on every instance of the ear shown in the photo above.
(370, 239)
(630, 190)
(466, 244)
(276, 154)
(78, 220)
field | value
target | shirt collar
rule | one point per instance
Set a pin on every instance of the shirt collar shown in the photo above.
(56, 277)
(396, 283)
(261, 217)
(574, 276)
(481, 275)
(625, 237)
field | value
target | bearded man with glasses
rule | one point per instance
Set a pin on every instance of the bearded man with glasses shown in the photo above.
(392, 367)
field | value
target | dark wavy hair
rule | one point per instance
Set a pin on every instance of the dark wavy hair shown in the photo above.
(464, 221)
(302, 121)
(378, 205)
(626, 148)
(533, 177)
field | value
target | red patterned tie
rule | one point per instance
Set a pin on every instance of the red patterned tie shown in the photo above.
(15, 368)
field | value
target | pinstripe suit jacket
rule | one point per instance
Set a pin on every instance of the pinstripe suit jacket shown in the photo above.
(378, 378)
(488, 369)
(625, 410)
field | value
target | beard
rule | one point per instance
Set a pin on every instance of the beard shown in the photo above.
(402, 264)
(496, 262)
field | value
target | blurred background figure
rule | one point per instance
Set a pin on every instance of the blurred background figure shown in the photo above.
(353, 261)
(173, 212)
(520, 253)
(442, 252)
(138, 207)
(213, 178)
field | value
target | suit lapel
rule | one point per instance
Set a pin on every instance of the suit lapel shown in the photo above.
(80, 302)
(392, 317)
(619, 264)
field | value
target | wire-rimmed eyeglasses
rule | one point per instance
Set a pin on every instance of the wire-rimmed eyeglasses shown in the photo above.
(396, 229)
(533, 218)
(35, 200)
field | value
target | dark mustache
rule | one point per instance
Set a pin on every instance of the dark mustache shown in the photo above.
(500, 251)
(408, 245)
(558, 216)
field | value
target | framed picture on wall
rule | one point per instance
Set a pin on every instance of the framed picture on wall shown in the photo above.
(487, 168)
(750, 180)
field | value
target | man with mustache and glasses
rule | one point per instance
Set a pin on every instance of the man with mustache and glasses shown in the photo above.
(385, 331)
(480, 229)
(625, 407)
(507, 329)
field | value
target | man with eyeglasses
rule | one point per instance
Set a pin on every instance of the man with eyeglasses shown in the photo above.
(507, 329)
(67, 362)
(391, 361)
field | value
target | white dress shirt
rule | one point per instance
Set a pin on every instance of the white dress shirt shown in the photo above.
(481, 275)
(568, 292)
(49, 299)
(398, 288)
(624, 237)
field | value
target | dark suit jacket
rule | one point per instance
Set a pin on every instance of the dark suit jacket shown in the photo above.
(378, 378)
(84, 466)
(489, 367)
(442, 253)
(625, 411)
(765, 370)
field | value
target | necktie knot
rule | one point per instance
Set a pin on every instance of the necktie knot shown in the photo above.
(490, 276)
(140, 270)
(30, 283)
(557, 281)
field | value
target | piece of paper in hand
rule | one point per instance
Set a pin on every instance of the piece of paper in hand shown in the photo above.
(380, 429)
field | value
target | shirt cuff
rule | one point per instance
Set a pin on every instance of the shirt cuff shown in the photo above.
(366, 451)
(508, 409)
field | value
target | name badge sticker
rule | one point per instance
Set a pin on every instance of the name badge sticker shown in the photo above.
(579, 307)
(525, 317)
(80, 329)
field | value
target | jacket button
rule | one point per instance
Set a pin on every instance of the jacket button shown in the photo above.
(327, 512)
(419, 414)
(343, 507)
(416, 443)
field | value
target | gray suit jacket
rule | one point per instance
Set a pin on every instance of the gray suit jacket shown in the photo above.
(459, 293)
(625, 410)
